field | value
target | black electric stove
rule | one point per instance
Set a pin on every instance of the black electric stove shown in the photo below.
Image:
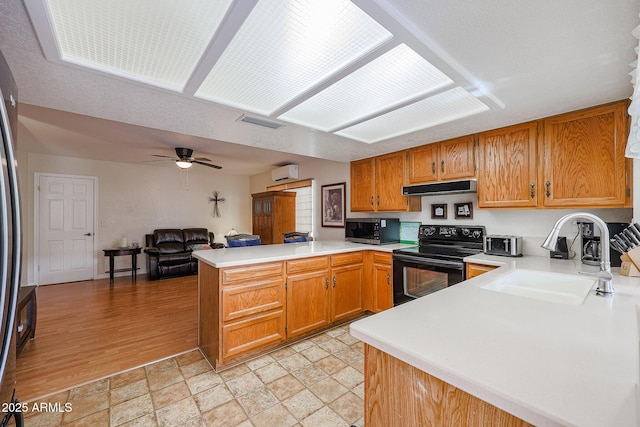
(436, 262)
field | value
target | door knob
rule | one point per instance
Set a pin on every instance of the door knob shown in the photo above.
(87, 234)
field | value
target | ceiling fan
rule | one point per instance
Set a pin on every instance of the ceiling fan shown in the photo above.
(185, 161)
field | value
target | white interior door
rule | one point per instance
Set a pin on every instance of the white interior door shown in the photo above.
(65, 229)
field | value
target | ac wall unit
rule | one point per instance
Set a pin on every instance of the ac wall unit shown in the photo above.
(285, 172)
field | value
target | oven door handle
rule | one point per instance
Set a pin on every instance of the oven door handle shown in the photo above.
(429, 261)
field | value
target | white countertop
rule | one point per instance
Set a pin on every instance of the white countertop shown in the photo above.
(230, 257)
(545, 362)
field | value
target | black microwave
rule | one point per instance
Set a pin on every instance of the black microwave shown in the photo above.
(373, 231)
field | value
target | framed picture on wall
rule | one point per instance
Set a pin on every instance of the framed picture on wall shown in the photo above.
(439, 211)
(464, 210)
(333, 204)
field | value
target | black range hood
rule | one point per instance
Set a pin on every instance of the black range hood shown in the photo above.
(449, 187)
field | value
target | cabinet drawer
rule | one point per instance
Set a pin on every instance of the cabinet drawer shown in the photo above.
(251, 334)
(382, 258)
(307, 264)
(348, 258)
(244, 300)
(474, 270)
(238, 274)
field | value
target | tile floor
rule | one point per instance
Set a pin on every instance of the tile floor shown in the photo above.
(315, 382)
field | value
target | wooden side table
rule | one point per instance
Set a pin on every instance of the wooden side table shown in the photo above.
(27, 313)
(114, 252)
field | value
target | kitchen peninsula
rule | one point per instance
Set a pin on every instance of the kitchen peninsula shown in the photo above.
(256, 298)
(473, 356)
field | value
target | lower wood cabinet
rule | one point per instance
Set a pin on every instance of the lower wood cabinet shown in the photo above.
(398, 394)
(347, 272)
(382, 281)
(308, 291)
(474, 270)
(247, 309)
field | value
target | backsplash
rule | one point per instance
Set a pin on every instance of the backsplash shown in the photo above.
(532, 224)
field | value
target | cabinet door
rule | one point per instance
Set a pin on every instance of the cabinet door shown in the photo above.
(362, 185)
(423, 164)
(308, 304)
(389, 181)
(383, 287)
(347, 291)
(584, 163)
(456, 158)
(507, 172)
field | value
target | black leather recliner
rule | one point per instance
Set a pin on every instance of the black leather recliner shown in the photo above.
(169, 251)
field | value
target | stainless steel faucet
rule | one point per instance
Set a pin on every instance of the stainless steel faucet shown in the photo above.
(605, 288)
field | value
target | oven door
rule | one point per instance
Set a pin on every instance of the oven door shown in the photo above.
(415, 276)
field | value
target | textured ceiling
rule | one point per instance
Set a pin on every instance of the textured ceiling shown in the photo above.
(538, 58)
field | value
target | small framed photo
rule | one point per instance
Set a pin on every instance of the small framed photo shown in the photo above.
(333, 205)
(464, 210)
(439, 211)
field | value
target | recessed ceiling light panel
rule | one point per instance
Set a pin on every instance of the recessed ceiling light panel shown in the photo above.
(393, 78)
(284, 48)
(448, 106)
(155, 41)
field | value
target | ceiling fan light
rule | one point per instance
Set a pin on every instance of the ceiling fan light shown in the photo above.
(184, 164)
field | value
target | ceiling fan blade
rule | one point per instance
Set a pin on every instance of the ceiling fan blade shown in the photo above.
(207, 164)
(156, 161)
(159, 155)
(202, 159)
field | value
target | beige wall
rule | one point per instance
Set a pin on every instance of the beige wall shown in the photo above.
(323, 172)
(134, 199)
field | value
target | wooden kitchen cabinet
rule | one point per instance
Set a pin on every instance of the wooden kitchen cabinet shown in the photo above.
(474, 270)
(442, 161)
(583, 159)
(347, 275)
(382, 281)
(376, 185)
(308, 295)
(363, 185)
(241, 310)
(507, 167)
(274, 213)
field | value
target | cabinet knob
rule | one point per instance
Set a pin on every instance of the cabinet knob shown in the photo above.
(326, 283)
(388, 278)
(533, 190)
(442, 166)
(371, 200)
(378, 200)
(433, 168)
(547, 185)
(334, 281)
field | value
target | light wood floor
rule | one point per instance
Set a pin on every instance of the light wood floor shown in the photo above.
(89, 330)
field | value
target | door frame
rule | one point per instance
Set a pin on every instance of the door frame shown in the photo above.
(36, 220)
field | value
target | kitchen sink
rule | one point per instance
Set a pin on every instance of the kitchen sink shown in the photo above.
(545, 286)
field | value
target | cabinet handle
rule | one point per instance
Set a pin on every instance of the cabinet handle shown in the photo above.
(388, 278)
(433, 167)
(547, 185)
(334, 281)
(442, 166)
(326, 283)
(378, 200)
(533, 190)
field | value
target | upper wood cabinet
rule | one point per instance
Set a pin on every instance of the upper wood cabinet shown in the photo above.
(507, 167)
(376, 185)
(442, 161)
(583, 158)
